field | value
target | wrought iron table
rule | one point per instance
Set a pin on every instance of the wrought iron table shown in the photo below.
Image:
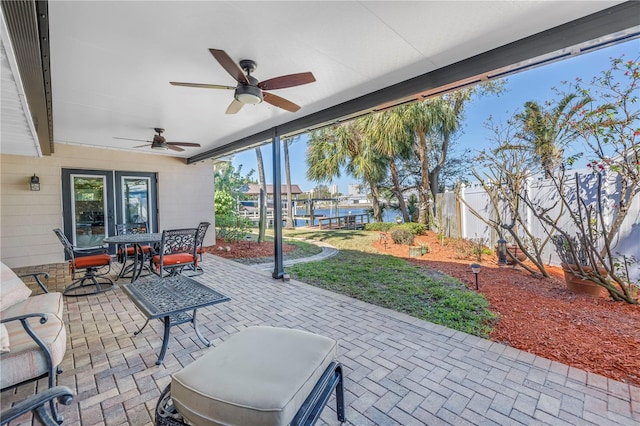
(170, 299)
(136, 240)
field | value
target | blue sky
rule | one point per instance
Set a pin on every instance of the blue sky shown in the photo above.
(535, 84)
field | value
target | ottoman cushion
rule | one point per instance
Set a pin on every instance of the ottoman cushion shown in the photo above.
(259, 376)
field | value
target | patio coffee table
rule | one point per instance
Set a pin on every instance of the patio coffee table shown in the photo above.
(170, 299)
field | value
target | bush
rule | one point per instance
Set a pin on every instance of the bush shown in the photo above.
(414, 228)
(232, 228)
(379, 226)
(402, 236)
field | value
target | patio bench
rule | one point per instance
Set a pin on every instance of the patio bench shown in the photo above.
(259, 376)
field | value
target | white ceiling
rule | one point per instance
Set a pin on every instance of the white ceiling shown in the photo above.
(111, 61)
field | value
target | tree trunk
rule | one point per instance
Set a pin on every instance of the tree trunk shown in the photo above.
(262, 221)
(424, 192)
(289, 223)
(397, 191)
(375, 203)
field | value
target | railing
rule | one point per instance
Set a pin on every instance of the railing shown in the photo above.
(352, 221)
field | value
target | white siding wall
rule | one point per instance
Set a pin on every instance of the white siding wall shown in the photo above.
(185, 197)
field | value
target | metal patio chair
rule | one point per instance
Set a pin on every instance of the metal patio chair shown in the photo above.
(89, 261)
(177, 251)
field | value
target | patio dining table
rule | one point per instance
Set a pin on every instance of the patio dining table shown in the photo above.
(136, 241)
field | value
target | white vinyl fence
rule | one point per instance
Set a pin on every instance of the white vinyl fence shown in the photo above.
(468, 226)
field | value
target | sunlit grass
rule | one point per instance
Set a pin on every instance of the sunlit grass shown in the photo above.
(359, 271)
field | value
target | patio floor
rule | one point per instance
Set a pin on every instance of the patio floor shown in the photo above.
(399, 369)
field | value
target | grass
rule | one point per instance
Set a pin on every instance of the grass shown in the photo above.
(359, 271)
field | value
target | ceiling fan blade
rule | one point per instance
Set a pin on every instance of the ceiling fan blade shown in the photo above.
(129, 139)
(229, 65)
(142, 146)
(197, 145)
(202, 86)
(280, 102)
(234, 107)
(287, 81)
(175, 148)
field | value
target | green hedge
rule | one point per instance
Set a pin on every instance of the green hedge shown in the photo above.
(379, 226)
(413, 228)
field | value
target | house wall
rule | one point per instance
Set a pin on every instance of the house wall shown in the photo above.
(185, 197)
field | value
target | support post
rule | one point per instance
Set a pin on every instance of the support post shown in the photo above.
(278, 271)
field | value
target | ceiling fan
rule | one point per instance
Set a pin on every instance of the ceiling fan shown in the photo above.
(159, 142)
(249, 90)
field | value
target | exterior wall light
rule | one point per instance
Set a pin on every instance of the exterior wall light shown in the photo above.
(34, 184)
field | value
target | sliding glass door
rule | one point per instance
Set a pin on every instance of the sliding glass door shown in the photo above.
(93, 201)
(136, 201)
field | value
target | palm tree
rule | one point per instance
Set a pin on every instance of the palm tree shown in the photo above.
(393, 145)
(549, 131)
(427, 122)
(345, 147)
(262, 200)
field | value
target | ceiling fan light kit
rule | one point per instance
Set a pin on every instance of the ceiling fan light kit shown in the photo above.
(250, 91)
(248, 94)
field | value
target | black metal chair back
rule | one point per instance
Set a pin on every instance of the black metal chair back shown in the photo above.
(202, 231)
(177, 250)
(131, 228)
(68, 247)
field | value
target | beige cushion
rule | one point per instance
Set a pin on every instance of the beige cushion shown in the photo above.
(260, 376)
(12, 289)
(4, 339)
(26, 360)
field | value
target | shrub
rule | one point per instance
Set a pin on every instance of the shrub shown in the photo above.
(402, 236)
(379, 226)
(414, 228)
(232, 228)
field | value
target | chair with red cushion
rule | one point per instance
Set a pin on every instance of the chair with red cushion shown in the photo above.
(90, 261)
(127, 251)
(202, 231)
(177, 251)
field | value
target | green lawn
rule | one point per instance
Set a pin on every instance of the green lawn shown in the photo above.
(361, 272)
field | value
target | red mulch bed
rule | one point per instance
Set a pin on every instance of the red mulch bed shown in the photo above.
(538, 315)
(245, 249)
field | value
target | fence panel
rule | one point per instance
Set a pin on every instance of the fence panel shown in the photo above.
(545, 195)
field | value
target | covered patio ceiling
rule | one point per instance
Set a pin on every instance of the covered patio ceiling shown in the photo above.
(110, 63)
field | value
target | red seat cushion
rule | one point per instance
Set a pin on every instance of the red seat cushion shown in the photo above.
(132, 250)
(92, 261)
(174, 259)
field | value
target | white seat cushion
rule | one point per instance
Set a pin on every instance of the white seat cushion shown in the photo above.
(260, 376)
(12, 289)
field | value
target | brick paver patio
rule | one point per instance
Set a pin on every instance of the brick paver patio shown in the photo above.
(399, 370)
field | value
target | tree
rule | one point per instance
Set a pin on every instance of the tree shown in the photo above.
(262, 199)
(289, 224)
(345, 146)
(505, 173)
(547, 129)
(230, 180)
(609, 126)
(433, 125)
(396, 146)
